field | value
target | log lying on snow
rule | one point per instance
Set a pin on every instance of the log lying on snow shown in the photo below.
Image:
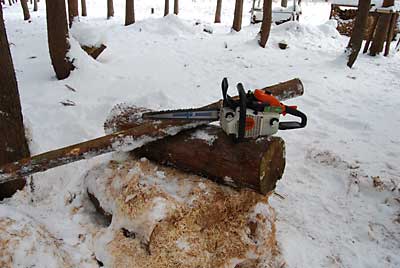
(131, 136)
(208, 151)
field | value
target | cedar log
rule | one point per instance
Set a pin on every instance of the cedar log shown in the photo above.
(256, 164)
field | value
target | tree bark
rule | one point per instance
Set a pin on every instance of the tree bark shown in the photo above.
(110, 9)
(130, 12)
(166, 8)
(257, 164)
(35, 5)
(13, 144)
(57, 35)
(389, 38)
(25, 9)
(266, 23)
(382, 29)
(83, 7)
(218, 12)
(237, 19)
(72, 11)
(357, 35)
(176, 7)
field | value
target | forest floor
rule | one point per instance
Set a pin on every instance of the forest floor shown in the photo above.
(339, 199)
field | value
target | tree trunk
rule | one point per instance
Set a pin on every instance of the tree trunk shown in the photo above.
(166, 8)
(176, 7)
(25, 9)
(35, 5)
(382, 29)
(57, 34)
(9, 2)
(83, 7)
(237, 19)
(130, 12)
(218, 12)
(283, 3)
(357, 35)
(72, 11)
(257, 164)
(266, 23)
(389, 38)
(130, 128)
(13, 145)
(110, 9)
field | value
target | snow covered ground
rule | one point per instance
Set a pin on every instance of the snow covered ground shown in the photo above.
(339, 199)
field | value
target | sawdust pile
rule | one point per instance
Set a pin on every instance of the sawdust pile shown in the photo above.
(25, 244)
(166, 218)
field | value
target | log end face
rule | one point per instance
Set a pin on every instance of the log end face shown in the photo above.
(272, 165)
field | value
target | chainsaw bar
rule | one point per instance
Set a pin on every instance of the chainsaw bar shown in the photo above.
(186, 114)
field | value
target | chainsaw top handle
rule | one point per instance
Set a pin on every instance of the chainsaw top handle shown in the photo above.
(293, 124)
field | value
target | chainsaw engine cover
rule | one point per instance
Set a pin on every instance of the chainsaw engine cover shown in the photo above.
(257, 123)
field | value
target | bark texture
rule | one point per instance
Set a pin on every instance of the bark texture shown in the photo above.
(237, 19)
(13, 144)
(25, 9)
(83, 7)
(72, 11)
(130, 12)
(357, 35)
(266, 23)
(381, 31)
(57, 34)
(176, 7)
(218, 12)
(256, 164)
(166, 8)
(110, 9)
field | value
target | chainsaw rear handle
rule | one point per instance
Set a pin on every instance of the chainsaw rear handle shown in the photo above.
(293, 124)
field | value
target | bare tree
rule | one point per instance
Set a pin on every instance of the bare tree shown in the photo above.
(283, 3)
(83, 8)
(13, 145)
(57, 36)
(218, 12)
(176, 7)
(166, 8)
(72, 11)
(237, 19)
(357, 35)
(110, 9)
(129, 12)
(266, 23)
(25, 9)
(35, 5)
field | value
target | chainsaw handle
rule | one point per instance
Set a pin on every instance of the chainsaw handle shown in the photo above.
(293, 124)
(242, 112)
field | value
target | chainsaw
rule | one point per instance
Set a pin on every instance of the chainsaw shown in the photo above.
(252, 115)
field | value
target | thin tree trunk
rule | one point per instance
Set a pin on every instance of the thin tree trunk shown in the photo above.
(57, 35)
(110, 9)
(266, 23)
(25, 9)
(381, 30)
(176, 7)
(283, 3)
(237, 19)
(357, 35)
(13, 145)
(166, 8)
(370, 35)
(35, 5)
(218, 12)
(9, 2)
(72, 11)
(83, 7)
(130, 12)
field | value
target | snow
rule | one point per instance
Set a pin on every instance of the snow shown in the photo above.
(329, 213)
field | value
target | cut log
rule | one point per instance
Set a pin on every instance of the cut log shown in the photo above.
(208, 151)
